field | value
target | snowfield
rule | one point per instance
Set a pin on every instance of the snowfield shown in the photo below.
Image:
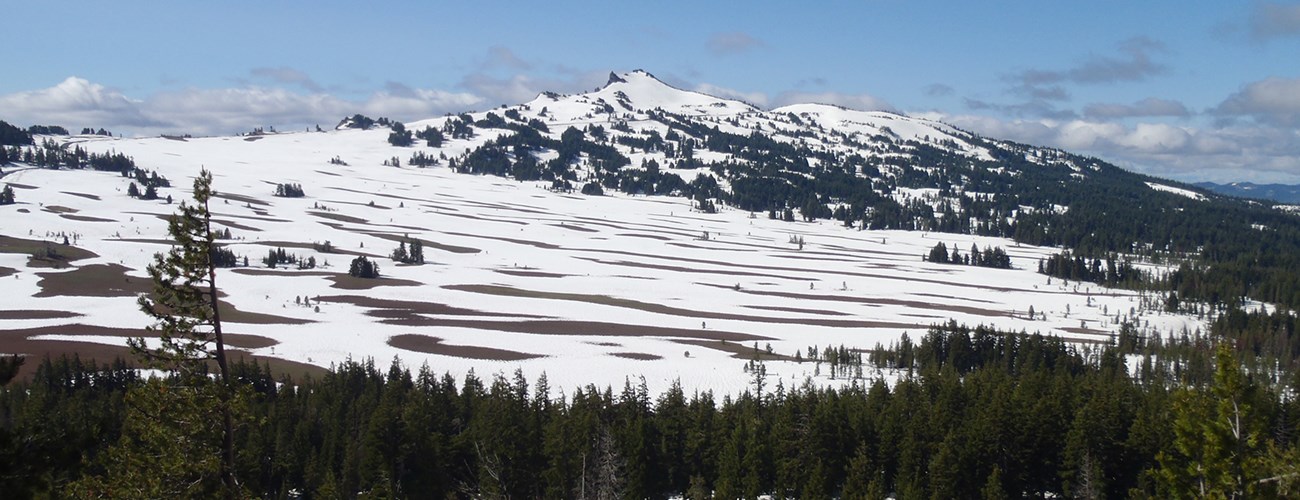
(1178, 191)
(589, 290)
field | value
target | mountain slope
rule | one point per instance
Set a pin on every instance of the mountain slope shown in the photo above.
(522, 271)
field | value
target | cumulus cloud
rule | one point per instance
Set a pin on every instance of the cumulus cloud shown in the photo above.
(77, 103)
(1224, 154)
(1274, 101)
(1273, 20)
(732, 43)
(73, 103)
(1151, 106)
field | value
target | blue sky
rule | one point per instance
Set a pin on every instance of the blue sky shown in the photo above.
(1187, 90)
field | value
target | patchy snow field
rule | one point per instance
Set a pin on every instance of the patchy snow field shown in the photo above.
(586, 289)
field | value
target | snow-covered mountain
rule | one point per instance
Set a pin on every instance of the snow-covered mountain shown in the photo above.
(523, 272)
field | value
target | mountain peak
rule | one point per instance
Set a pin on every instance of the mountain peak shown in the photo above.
(638, 89)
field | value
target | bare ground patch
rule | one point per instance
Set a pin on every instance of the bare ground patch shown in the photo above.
(16, 341)
(701, 247)
(338, 217)
(576, 228)
(442, 211)
(744, 267)
(800, 310)
(737, 350)
(385, 195)
(7, 271)
(646, 236)
(44, 253)
(875, 301)
(585, 328)
(241, 198)
(435, 345)
(1085, 331)
(235, 340)
(96, 280)
(634, 226)
(232, 314)
(404, 309)
(531, 243)
(427, 243)
(639, 356)
(346, 282)
(59, 209)
(82, 195)
(672, 311)
(693, 270)
(85, 218)
(968, 299)
(236, 225)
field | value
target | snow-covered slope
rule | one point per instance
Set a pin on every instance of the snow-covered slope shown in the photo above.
(589, 289)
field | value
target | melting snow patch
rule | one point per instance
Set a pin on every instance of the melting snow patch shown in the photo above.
(1178, 191)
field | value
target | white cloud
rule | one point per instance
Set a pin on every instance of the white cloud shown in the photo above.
(1272, 100)
(1235, 153)
(77, 103)
(73, 103)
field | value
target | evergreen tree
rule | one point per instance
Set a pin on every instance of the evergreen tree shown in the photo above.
(180, 442)
(417, 251)
(1218, 445)
(399, 254)
(362, 267)
(400, 136)
(7, 196)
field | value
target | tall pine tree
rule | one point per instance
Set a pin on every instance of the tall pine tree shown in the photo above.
(192, 407)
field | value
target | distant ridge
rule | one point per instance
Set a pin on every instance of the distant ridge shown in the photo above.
(1281, 193)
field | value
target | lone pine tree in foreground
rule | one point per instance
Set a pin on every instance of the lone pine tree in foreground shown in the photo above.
(178, 437)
